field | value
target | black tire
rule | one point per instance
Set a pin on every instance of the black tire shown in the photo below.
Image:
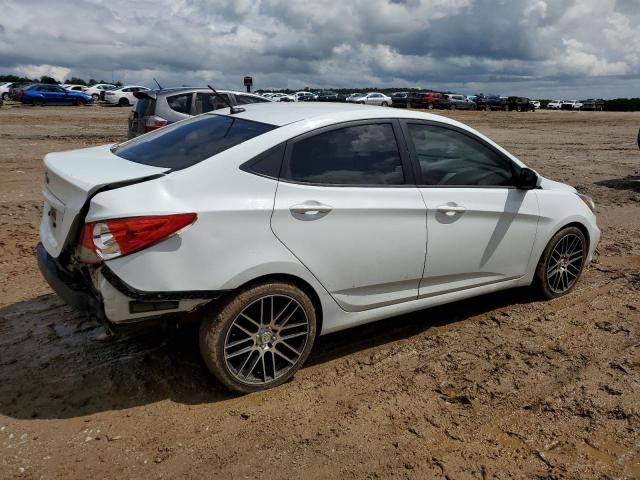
(487, 108)
(507, 108)
(123, 102)
(5, 96)
(430, 106)
(385, 104)
(551, 285)
(220, 327)
(79, 102)
(452, 107)
(37, 102)
(474, 107)
(518, 108)
(95, 97)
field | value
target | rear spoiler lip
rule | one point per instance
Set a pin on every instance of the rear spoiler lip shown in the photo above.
(146, 94)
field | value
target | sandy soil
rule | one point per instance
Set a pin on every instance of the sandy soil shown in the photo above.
(503, 386)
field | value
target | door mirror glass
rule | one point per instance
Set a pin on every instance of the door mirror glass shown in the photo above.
(527, 179)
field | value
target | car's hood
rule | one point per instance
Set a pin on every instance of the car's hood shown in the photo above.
(547, 184)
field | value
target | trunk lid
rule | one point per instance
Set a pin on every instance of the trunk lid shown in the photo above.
(71, 178)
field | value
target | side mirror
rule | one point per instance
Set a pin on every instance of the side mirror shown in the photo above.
(527, 179)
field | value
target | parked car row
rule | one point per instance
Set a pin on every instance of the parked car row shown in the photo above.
(590, 104)
(48, 94)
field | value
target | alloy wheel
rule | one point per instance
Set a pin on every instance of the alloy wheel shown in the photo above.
(266, 340)
(565, 263)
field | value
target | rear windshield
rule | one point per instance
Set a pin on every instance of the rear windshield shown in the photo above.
(144, 106)
(186, 143)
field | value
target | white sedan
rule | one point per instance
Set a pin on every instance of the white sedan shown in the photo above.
(374, 98)
(123, 97)
(284, 222)
(94, 90)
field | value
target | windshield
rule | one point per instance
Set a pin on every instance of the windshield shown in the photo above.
(191, 141)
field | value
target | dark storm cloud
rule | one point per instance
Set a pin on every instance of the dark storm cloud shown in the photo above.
(524, 45)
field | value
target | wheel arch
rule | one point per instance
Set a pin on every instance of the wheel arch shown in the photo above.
(299, 282)
(579, 226)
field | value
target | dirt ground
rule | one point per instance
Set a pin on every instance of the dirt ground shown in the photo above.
(502, 386)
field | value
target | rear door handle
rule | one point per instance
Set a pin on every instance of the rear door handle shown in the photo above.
(451, 210)
(310, 207)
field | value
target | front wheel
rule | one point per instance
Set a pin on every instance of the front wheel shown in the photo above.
(123, 102)
(452, 107)
(385, 104)
(487, 108)
(5, 96)
(430, 106)
(79, 102)
(260, 338)
(562, 263)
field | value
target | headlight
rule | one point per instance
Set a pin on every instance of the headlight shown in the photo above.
(588, 201)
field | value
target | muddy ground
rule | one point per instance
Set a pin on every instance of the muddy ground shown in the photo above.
(503, 386)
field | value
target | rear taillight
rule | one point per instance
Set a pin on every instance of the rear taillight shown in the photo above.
(121, 236)
(154, 122)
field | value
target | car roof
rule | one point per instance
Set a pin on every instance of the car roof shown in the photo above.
(171, 91)
(318, 114)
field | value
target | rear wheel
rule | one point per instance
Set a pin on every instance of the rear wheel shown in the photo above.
(487, 108)
(260, 338)
(430, 106)
(452, 107)
(518, 108)
(562, 262)
(123, 102)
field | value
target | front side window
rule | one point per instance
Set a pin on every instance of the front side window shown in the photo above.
(357, 155)
(189, 142)
(207, 102)
(448, 157)
(180, 103)
(248, 99)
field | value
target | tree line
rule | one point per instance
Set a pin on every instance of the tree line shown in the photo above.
(52, 81)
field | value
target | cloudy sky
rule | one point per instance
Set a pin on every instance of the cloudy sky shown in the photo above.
(538, 48)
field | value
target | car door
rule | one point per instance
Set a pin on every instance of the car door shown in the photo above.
(55, 95)
(347, 207)
(480, 227)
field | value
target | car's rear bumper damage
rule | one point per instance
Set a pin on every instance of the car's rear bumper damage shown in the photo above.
(100, 293)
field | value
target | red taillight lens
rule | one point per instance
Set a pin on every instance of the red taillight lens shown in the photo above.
(154, 122)
(121, 236)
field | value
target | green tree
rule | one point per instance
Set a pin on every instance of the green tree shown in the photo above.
(47, 79)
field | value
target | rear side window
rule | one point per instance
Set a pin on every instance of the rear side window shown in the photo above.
(448, 157)
(186, 143)
(180, 103)
(357, 155)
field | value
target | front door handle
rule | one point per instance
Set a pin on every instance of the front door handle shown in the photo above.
(451, 210)
(310, 207)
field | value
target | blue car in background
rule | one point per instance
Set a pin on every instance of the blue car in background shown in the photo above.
(42, 94)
